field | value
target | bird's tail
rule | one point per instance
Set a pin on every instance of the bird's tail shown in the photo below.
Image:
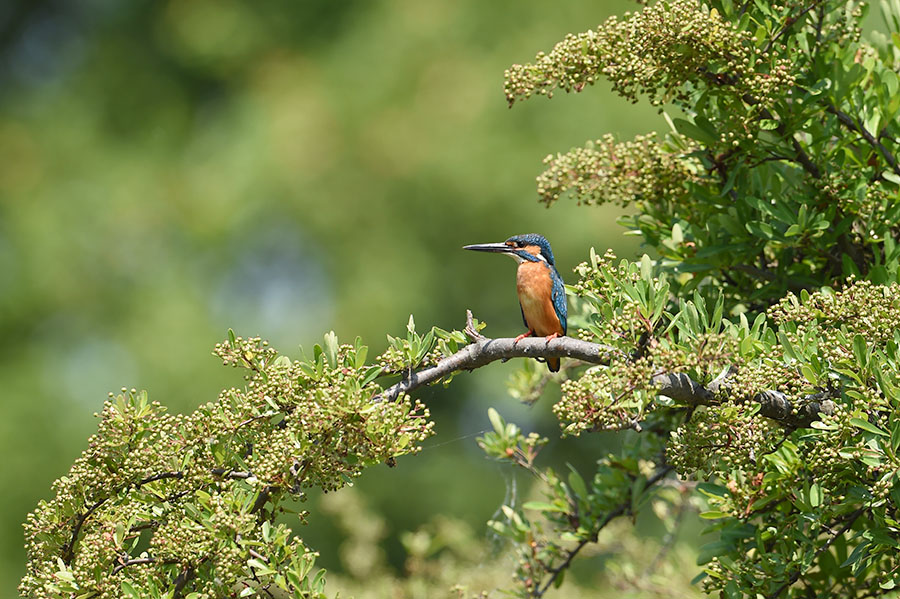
(553, 364)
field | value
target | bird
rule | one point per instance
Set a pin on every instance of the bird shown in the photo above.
(542, 293)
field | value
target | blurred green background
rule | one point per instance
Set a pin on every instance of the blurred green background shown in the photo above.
(172, 169)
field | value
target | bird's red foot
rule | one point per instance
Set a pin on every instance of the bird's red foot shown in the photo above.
(552, 337)
(522, 336)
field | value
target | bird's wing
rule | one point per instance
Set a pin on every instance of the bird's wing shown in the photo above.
(522, 310)
(559, 299)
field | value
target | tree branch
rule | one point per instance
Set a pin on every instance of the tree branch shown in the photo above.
(484, 351)
(69, 549)
(182, 580)
(772, 404)
(802, 158)
(610, 516)
(141, 560)
(677, 386)
(852, 125)
(775, 405)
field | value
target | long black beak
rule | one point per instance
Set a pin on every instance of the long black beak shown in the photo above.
(500, 248)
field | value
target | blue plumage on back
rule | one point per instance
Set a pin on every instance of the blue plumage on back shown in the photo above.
(559, 298)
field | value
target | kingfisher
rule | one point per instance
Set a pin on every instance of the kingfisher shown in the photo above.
(542, 294)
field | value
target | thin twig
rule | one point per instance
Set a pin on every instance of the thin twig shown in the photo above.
(851, 519)
(233, 474)
(610, 516)
(69, 549)
(852, 125)
(471, 330)
(788, 23)
(186, 575)
(802, 157)
(144, 526)
(142, 560)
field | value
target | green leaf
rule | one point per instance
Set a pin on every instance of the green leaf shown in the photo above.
(576, 483)
(371, 374)
(129, 590)
(689, 129)
(361, 352)
(809, 374)
(318, 583)
(497, 421)
(816, 495)
(714, 514)
(848, 266)
(890, 176)
(867, 426)
(859, 350)
(793, 230)
(331, 349)
(820, 86)
(543, 506)
(858, 552)
(786, 346)
(559, 578)
(260, 568)
(713, 490)
(677, 235)
(711, 550)
(647, 265)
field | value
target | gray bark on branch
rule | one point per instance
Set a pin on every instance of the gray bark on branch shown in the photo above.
(772, 404)
(677, 386)
(484, 351)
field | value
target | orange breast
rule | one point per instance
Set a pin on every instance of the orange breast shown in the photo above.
(535, 289)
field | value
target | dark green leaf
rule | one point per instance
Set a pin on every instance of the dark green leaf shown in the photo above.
(867, 426)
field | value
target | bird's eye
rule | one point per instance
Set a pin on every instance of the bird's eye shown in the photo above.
(520, 244)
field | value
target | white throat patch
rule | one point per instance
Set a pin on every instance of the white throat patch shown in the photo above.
(519, 259)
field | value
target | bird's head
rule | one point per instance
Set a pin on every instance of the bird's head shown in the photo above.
(530, 247)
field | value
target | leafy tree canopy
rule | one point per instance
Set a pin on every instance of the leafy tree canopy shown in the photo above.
(756, 357)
